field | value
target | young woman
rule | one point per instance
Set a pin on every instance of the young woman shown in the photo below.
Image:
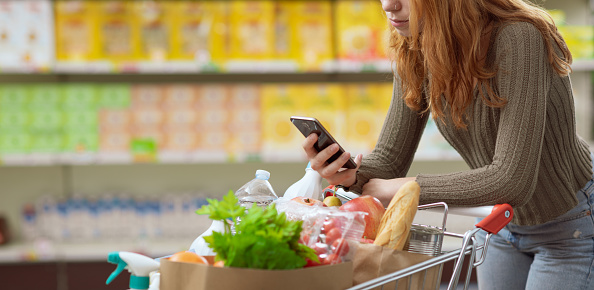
(495, 76)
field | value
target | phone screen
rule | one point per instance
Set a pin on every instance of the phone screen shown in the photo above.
(307, 125)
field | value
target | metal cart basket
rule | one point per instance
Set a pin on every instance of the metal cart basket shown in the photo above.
(428, 240)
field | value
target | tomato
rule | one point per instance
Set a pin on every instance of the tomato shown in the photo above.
(332, 235)
(340, 247)
(320, 248)
(331, 223)
(304, 239)
(189, 257)
(332, 259)
(311, 263)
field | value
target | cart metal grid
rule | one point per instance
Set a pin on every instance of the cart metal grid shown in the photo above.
(499, 217)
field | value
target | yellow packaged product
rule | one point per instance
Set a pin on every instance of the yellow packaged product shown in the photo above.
(360, 28)
(327, 103)
(154, 27)
(76, 30)
(364, 118)
(281, 141)
(118, 40)
(306, 33)
(199, 32)
(251, 30)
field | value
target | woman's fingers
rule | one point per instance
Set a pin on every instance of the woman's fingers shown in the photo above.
(308, 144)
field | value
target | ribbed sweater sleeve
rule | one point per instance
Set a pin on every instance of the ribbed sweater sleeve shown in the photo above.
(397, 143)
(527, 153)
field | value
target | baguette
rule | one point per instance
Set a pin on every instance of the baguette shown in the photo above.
(397, 220)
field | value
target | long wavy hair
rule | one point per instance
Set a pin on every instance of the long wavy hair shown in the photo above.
(444, 49)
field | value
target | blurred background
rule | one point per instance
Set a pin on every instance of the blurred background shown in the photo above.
(119, 118)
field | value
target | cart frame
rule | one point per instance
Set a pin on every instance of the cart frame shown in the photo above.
(500, 216)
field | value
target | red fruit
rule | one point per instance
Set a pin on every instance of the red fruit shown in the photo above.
(332, 236)
(332, 259)
(331, 223)
(321, 249)
(311, 263)
(308, 201)
(340, 247)
(374, 209)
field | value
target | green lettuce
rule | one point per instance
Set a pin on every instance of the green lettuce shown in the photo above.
(264, 238)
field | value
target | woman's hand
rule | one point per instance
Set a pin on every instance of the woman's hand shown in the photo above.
(333, 172)
(384, 189)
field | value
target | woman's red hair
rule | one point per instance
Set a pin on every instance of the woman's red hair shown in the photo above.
(444, 48)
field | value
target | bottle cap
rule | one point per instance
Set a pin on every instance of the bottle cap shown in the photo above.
(262, 174)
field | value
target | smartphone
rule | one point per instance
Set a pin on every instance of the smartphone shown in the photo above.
(309, 125)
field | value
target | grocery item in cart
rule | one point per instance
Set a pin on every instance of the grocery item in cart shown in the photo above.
(310, 185)
(257, 191)
(199, 246)
(397, 221)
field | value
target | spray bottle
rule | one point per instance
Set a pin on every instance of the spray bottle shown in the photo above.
(138, 265)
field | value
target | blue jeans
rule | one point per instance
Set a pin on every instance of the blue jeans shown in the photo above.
(555, 255)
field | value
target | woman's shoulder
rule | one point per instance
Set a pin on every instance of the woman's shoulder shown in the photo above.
(517, 31)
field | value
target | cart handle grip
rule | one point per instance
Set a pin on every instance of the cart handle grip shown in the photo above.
(499, 217)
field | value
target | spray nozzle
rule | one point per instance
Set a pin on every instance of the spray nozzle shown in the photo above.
(114, 258)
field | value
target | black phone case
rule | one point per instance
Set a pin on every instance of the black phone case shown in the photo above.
(308, 125)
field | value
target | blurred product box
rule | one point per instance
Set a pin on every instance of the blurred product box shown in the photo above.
(114, 119)
(366, 109)
(147, 118)
(27, 37)
(155, 29)
(13, 97)
(146, 96)
(16, 142)
(245, 123)
(81, 141)
(43, 97)
(251, 30)
(304, 34)
(199, 32)
(79, 96)
(281, 141)
(178, 145)
(180, 96)
(118, 35)
(327, 103)
(113, 96)
(47, 143)
(361, 33)
(212, 120)
(114, 141)
(77, 30)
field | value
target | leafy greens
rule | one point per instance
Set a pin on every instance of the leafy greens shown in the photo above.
(264, 238)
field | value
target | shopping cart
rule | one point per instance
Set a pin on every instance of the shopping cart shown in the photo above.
(426, 239)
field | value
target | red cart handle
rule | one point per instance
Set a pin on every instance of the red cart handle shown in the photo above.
(499, 217)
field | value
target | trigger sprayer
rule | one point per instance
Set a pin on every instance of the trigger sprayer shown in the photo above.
(138, 265)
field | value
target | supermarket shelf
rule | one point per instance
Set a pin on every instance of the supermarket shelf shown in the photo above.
(48, 251)
(164, 78)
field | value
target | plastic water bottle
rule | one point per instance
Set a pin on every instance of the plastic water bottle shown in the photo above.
(310, 185)
(258, 191)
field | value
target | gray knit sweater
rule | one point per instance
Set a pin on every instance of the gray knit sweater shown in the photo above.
(527, 153)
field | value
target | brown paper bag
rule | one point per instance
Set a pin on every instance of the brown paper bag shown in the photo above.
(189, 276)
(371, 261)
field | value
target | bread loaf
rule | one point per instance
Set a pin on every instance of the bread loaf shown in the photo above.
(397, 220)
